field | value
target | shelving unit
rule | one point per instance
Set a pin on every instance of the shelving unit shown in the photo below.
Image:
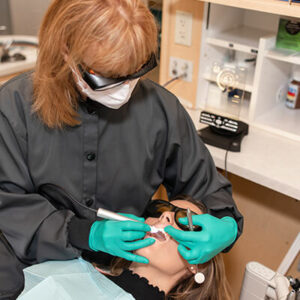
(284, 55)
(266, 82)
(244, 39)
(270, 152)
(269, 6)
(268, 111)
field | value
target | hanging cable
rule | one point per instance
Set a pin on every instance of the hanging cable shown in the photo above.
(44, 187)
(226, 155)
(189, 107)
(174, 79)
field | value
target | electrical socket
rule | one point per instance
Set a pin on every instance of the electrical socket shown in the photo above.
(178, 66)
(183, 28)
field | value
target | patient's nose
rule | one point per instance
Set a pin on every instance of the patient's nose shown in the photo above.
(167, 218)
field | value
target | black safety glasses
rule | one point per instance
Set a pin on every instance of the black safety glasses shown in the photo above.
(98, 83)
(155, 208)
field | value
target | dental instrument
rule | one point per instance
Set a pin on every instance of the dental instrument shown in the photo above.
(199, 277)
(110, 215)
(101, 212)
(190, 220)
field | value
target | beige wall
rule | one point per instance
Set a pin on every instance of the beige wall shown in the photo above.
(272, 222)
(26, 15)
(185, 90)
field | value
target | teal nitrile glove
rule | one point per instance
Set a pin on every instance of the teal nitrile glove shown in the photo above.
(198, 247)
(120, 237)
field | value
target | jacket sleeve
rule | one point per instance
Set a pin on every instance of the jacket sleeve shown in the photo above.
(190, 170)
(36, 230)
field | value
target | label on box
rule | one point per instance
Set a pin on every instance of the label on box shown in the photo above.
(292, 95)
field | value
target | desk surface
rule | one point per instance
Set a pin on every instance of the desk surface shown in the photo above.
(3, 79)
(267, 159)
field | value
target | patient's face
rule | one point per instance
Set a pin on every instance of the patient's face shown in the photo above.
(164, 255)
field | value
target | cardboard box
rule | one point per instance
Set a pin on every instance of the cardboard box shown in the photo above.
(288, 35)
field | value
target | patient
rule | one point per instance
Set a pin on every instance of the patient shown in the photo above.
(168, 275)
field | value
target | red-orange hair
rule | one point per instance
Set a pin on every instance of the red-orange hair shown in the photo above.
(123, 34)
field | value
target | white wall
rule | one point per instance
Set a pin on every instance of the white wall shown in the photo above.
(261, 20)
(26, 15)
(4, 17)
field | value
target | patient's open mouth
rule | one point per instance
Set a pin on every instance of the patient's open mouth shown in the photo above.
(157, 233)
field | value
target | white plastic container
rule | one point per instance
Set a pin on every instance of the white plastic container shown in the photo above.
(293, 94)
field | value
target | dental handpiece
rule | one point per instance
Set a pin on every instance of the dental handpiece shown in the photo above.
(110, 215)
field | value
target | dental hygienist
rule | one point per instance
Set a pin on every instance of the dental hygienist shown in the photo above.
(86, 122)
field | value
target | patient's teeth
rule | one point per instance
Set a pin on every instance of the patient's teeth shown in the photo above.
(153, 229)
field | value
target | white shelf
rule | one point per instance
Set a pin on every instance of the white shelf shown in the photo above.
(244, 39)
(281, 120)
(268, 6)
(284, 55)
(267, 159)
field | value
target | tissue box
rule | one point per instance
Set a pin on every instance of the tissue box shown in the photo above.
(288, 35)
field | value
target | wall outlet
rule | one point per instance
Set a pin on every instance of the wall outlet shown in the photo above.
(183, 28)
(179, 66)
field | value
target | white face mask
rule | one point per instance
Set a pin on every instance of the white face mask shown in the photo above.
(113, 98)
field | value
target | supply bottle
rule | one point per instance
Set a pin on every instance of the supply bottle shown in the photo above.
(293, 95)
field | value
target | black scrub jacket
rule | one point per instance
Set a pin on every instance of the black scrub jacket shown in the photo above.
(116, 159)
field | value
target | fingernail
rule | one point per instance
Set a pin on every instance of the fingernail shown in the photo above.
(150, 241)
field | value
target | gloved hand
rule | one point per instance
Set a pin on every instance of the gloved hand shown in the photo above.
(120, 237)
(200, 246)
